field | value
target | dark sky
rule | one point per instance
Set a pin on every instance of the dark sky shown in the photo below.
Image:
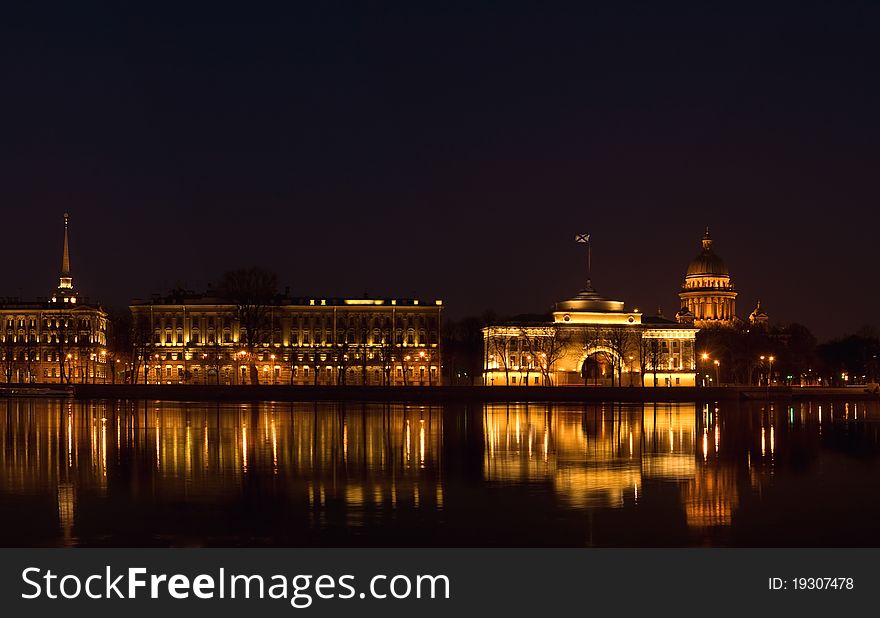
(447, 150)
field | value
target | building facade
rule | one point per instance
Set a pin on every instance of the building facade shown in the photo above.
(590, 340)
(57, 340)
(202, 339)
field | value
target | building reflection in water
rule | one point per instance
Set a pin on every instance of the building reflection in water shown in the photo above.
(603, 455)
(140, 473)
(354, 458)
(595, 456)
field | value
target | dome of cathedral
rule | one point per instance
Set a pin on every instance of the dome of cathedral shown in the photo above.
(707, 262)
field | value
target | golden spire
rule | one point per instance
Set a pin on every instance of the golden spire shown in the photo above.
(65, 282)
(65, 261)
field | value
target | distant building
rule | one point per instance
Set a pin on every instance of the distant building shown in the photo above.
(60, 339)
(758, 317)
(199, 339)
(590, 340)
(708, 297)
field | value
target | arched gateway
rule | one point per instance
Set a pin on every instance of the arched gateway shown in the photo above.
(590, 340)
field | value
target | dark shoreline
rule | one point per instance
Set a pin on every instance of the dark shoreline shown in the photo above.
(194, 392)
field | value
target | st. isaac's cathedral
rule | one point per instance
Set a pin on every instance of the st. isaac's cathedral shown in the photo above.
(593, 340)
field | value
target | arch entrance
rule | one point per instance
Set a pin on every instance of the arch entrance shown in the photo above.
(597, 366)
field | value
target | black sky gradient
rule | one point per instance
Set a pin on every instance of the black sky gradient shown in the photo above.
(447, 150)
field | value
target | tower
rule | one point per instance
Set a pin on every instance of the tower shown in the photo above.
(707, 297)
(65, 292)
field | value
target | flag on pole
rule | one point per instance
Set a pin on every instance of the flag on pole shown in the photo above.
(582, 238)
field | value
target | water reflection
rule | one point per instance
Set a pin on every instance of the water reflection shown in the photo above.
(162, 473)
(600, 455)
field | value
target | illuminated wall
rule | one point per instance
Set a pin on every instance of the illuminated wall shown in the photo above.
(578, 354)
(199, 340)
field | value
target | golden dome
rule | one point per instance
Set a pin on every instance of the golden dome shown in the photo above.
(707, 262)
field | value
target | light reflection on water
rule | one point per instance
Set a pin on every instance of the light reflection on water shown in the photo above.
(163, 473)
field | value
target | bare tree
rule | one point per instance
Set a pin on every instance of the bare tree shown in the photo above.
(86, 350)
(61, 340)
(618, 339)
(499, 346)
(547, 345)
(316, 362)
(141, 337)
(590, 337)
(386, 350)
(9, 352)
(252, 290)
(655, 355)
(31, 354)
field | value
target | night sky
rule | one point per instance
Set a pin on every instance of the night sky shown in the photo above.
(445, 150)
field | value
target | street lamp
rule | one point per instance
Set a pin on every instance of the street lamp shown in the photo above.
(274, 377)
(241, 370)
(770, 376)
(717, 373)
(705, 358)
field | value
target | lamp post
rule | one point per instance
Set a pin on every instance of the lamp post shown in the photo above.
(239, 371)
(770, 375)
(717, 373)
(705, 358)
(104, 365)
(274, 377)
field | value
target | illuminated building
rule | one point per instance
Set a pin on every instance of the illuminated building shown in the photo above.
(590, 340)
(60, 339)
(199, 339)
(707, 297)
(758, 317)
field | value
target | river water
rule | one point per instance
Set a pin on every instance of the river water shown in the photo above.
(150, 473)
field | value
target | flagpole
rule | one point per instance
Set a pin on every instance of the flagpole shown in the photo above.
(585, 238)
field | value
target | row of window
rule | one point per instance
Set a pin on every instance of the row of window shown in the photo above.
(307, 338)
(53, 323)
(422, 355)
(309, 322)
(50, 339)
